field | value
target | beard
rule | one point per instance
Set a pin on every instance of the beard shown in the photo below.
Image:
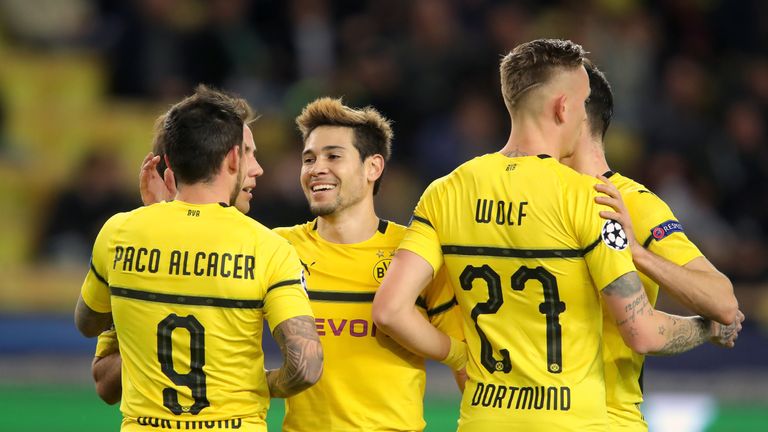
(238, 187)
(325, 209)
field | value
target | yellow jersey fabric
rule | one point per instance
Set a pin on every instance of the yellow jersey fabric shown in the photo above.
(369, 382)
(188, 287)
(526, 253)
(658, 229)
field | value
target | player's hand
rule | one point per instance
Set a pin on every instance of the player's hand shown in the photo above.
(152, 187)
(725, 335)
(620, 214)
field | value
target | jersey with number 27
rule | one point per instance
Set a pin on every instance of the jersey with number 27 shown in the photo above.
(527, 253)
(189, 287)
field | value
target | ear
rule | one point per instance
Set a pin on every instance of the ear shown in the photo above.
(232, 160)
(374, 167)
(559, 109)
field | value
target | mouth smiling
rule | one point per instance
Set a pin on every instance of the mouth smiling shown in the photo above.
(321, 187)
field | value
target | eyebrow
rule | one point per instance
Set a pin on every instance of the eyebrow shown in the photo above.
(326, 148)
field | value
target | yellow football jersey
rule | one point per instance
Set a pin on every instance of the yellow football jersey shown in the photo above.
(189, 287)
(526, 253)
(369, 382)
(658, 229)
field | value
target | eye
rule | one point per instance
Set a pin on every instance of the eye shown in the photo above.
(333, 156)
(308, 160)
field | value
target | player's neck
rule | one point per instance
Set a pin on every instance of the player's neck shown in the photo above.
(204, 192)
(529, 138)
(589, 158)
(354, 224)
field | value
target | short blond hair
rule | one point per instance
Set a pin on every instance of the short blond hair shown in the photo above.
(533, 63)
(372, 131)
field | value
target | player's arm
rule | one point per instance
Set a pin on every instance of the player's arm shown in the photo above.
(648, 331)
(302, 357)
(106, 375)
(395, 312)
(88, 321)
(698, 285)
(443, 312)
(152, 186)
(106, 368)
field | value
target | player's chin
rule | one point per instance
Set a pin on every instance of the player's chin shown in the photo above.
(243, 202)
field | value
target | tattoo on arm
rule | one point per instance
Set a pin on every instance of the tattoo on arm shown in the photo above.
(302, 357)
(625, 287)
(683, 334)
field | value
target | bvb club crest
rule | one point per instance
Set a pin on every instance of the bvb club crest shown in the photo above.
(380, 269)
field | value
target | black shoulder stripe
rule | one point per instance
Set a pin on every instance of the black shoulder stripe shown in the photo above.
(443, 307)
(424, 221)
(420, 302)
(341, 296)
(284, 283)
(181, 299)
(98, 276)
(589, 248)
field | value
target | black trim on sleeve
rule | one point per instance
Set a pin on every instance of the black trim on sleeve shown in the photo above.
(424, 221)
(594, 244)
(609, 173)
(443, 307)
(420, 302)
(284, 283)
(185, 299)
(648, 241)
(98, 276)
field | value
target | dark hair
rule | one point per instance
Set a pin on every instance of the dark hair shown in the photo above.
(600, 102)
(372, 131)
(532, 63)
(197, 133)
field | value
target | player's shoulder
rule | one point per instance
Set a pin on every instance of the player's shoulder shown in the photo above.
(392, 230)
(637, 196)
(296, 233)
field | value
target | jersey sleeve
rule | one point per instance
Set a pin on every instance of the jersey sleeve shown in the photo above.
(107, 343)
(603, 242)
(286, 293)
(421, 236)
(95, 289)
(657, 228)
(442, 309)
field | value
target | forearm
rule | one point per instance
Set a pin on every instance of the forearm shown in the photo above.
(699, 286)
(106, 375)
(678, 334)
(411, 330)
(302, 357)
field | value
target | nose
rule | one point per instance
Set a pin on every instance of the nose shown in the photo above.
(256, 169)
(317, 168)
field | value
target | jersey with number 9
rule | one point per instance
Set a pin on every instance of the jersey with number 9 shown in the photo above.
(189, 287)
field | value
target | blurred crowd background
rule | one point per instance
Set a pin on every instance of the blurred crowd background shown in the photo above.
(82, 81)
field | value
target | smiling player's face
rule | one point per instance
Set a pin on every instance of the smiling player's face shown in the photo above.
(332, 174)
